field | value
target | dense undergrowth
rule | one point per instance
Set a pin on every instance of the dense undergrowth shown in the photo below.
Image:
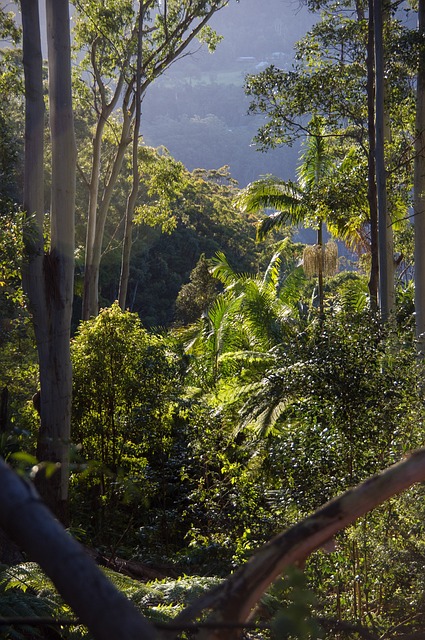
(193, 447)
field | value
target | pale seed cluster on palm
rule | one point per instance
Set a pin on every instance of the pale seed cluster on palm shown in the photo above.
(322, 258)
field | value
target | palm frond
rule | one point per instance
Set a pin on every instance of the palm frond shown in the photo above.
(222, 270)
(316, 163)
(266, 316)
(354, 295)
(291, 288)
(264, 419)
(231, 393)
(249, 358)
(291, 215)
(202, 337)
(272, 273)
(268, 192)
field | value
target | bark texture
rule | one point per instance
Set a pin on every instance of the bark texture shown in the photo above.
(419, 188)
(371, 188)
(385, 231)
(48, 272)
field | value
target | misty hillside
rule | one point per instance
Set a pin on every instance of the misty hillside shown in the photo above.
(198, 109)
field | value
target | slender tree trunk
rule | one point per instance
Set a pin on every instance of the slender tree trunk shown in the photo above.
(371, 191)
(49, 276)
(168, 48)
(90, 301)
(385, 235)
(33, 200)
(320, 271)
(389, 225)
(132, 198)
(419, 187)
(94, 251)
(92, 209)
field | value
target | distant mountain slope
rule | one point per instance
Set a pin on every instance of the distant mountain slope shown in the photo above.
(198, 109)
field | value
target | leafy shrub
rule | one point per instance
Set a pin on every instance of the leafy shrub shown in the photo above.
(124, 389)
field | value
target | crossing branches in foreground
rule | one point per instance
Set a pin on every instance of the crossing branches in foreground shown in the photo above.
(108, 614)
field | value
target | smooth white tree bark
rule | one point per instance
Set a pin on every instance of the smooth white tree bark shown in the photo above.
(132, 198)
(169, 45)
(382, 130)
(49, 271)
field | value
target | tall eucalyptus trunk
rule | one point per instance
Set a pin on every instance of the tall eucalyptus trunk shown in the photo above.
(382, 132)
(371, 189)
(132, 198)
(48, 272)
(321, 263)
(419, 187)
(166, 40)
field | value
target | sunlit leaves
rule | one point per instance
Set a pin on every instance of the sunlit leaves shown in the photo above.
(252, 315)
(122, 388)
(164, 180)
(325, 191)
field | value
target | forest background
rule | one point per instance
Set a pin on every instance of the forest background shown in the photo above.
(243, 383)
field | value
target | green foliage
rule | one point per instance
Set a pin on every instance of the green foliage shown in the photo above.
(317, 412)
(225, 512)
(164, 180)
(164, 599)
(11, 115)
(195, 297)
(329, 79)
(11, 241)
(211, 38)
(373, 577)
(248, 319)
(18, 382)
(341, 403)
(205, 220)
(294, 618)
(319, 195)
(277, 412)
(271, 192)
(8, 28)
(26, 592)
(124, 387)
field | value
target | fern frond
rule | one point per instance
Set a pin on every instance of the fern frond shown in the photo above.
(354, 295)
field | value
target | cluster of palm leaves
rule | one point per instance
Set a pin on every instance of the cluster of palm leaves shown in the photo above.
(256, 318)
(253, 315)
